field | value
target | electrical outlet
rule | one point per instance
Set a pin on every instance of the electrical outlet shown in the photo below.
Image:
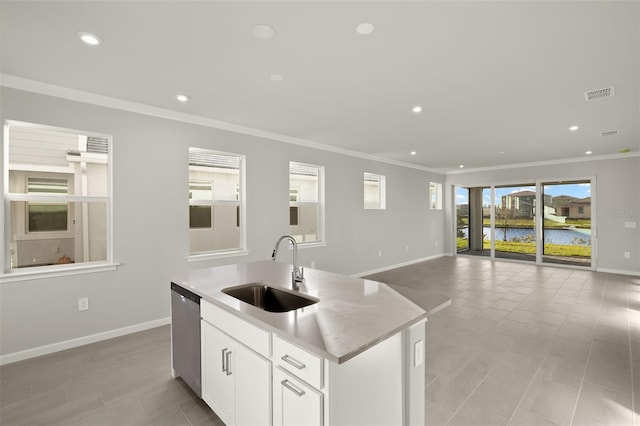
(313, 264)
(627, 255)
(379, 253)
(83, 304)
(406, 248)
(436, 243)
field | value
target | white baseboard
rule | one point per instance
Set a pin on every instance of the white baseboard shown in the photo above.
(399, 265)
(618, 271)
(81, 341)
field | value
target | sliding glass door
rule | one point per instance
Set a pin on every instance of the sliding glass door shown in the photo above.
(514, 222)
(506, 222)
(566, 234)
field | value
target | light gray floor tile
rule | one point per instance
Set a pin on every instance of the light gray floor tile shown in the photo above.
(605, 407)
(500, 394)
(451, 388)
(436, 415)
(551, 400)
(472, 415)
(609, 374)
(526, 418)
(564, 370)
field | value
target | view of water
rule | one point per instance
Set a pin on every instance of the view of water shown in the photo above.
(552, 236)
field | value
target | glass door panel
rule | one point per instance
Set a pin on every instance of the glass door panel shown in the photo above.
(515, 212)
(462, 220)
(566, 233)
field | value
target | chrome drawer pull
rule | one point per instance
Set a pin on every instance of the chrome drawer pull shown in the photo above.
(292, 361)
(227, 355)
(291, 387)
(224, 365)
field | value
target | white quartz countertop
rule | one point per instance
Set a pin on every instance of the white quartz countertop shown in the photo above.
(352, 315)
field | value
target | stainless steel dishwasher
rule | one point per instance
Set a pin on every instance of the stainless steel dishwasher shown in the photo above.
(185, 336)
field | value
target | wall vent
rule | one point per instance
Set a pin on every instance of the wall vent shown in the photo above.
(609, 133)
(606, 92)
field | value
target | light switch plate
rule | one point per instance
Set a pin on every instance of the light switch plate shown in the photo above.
(418, 353)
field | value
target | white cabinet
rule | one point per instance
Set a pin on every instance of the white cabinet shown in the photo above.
(236, 382)
(294, 402)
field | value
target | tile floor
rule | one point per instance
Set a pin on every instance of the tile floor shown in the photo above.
(528, 345)
(520, 345)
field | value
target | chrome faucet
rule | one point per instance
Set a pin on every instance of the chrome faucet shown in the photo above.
(297, 275)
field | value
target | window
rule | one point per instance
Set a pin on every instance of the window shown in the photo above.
(435, 195)
(215, 202)
(374, 192)
(306, 202)
(59, 198)
(43, 217)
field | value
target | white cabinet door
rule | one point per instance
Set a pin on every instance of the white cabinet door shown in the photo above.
(217, 372)
(294, 402)
(253, 388)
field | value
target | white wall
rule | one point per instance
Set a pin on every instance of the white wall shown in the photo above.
(617, 200)
(151, 219)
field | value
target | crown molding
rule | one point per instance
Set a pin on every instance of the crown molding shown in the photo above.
(19, 83)
(544, 163)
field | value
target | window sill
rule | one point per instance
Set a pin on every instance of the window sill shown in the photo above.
(55, 271)
(312, 244)
(217, 255)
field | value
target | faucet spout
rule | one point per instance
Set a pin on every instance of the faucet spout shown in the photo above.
(297, 275)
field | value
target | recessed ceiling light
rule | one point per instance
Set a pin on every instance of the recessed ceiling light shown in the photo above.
(183, 98)
(365, 28)
(502, 152)
(417, 109)
(461, 166)
(574, 128)
(413, 153)
(263, 32)
(588, 152)
(277, 77)
(90, 39)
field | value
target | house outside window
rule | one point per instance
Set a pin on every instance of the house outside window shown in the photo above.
(58, 196)
(306, 202)
(215, 202)
(374, 192)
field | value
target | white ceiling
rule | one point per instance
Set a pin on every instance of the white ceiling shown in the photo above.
(506, 76)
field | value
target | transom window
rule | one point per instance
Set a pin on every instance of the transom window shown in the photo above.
(374, 192)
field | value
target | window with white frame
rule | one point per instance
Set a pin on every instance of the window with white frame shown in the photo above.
(306, 202)
(215, 202)
(58, 198)
(374, 192)
(435, 196)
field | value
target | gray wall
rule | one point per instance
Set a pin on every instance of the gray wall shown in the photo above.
(151, 219)
(617, 199)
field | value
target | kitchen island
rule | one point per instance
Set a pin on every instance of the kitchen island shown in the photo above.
(353, 355)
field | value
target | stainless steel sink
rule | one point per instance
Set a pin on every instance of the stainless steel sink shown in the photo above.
(268, 298)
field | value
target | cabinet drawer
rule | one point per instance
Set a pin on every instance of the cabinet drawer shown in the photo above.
(243, 331)
(298, 362)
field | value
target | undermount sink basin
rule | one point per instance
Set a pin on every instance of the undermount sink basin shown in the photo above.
(268, 298)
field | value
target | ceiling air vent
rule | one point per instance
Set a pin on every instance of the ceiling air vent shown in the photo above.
(609, 133)
(607, 92)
